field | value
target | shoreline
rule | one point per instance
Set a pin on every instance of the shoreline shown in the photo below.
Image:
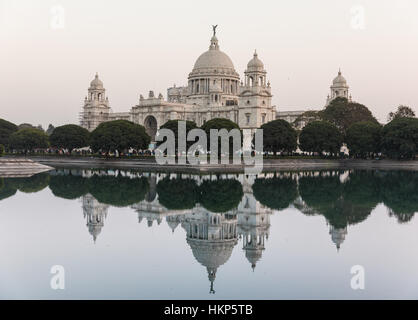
(269, 165)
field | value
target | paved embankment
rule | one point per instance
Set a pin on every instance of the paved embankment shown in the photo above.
(268, 164)
(20, 167)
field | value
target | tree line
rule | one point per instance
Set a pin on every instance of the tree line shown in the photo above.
(324, 133)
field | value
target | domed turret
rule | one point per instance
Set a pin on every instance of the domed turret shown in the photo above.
(339, 88)
(255, 64)
(96, 83)
(339, 79)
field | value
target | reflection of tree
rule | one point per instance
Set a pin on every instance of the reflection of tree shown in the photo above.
(399, 193)
(275, 193)
(341, 204)
(177, 194)
(68, 186)
(320, 191)
(221, 195)
(7, 189)
(32, 184)
(118, 191)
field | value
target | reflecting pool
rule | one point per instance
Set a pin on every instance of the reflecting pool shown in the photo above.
(121, 234)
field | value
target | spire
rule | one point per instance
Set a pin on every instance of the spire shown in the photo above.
(339, 71)
(255, 53)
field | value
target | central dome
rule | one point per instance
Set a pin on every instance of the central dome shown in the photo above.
(213, 59)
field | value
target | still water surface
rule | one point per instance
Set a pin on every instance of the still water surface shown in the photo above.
(135, 235)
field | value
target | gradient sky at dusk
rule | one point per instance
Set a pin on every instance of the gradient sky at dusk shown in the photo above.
(137, 46)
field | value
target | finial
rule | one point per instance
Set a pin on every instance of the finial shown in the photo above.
(97, 75)
(339, 71)
(255, 53)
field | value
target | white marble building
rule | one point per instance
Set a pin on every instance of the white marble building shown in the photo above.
(214, 90)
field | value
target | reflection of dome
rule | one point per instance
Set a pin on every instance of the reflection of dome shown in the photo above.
(338, 236)
(213, 59)
(255, 64)
(339, 80)
(94, 230)
(212, 254)
(96, 83)
(172, 223)
(253, 256)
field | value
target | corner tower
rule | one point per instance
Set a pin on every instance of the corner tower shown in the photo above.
(96, 107)
(339, 88)
(255, 107)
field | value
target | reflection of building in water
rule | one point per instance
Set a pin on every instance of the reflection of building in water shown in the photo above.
(212, 237)
(253, 224)
(338, 235)
(96, 213)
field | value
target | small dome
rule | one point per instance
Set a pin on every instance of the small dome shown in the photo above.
(255, 63)
(339, 80)
(96, 83)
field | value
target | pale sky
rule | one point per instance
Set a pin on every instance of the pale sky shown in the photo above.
(137, 46)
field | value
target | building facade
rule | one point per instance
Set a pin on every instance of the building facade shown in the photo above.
(214, 90)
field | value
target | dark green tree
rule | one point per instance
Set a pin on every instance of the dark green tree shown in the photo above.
(32, 184)
(6, 130)
(399, 193)
(279, 136)
(178, 194)
(70, 137)
(119, 135)
(218, 124)
(320, 136)
(118, 191)
(7, 188)
(276, 193)
(173, 126)
(69, 186)
(1, 150)
(343, 113)
(363, 138)
(28, 139)
(400, 138)
(401, 112)
(220, 195)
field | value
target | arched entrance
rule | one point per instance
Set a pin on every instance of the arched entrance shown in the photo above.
(150, 125)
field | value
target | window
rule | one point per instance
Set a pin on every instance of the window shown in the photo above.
(248, 117)
(197, 88)
(263, 118)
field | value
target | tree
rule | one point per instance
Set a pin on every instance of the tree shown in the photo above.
(173, 125)
(119, 135)
(32, 184)
(306, 117)
(118, 191)
(320, 136)
(400, 138)
(221, 195)
(70, 137)
(28, 139)
(1, 150)
(178, 194)
(69, 186)
(363, 138)
(6, 129)
(401, 112)
(279, 136)
(218, 124)
(343, 113)
(275, 193)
